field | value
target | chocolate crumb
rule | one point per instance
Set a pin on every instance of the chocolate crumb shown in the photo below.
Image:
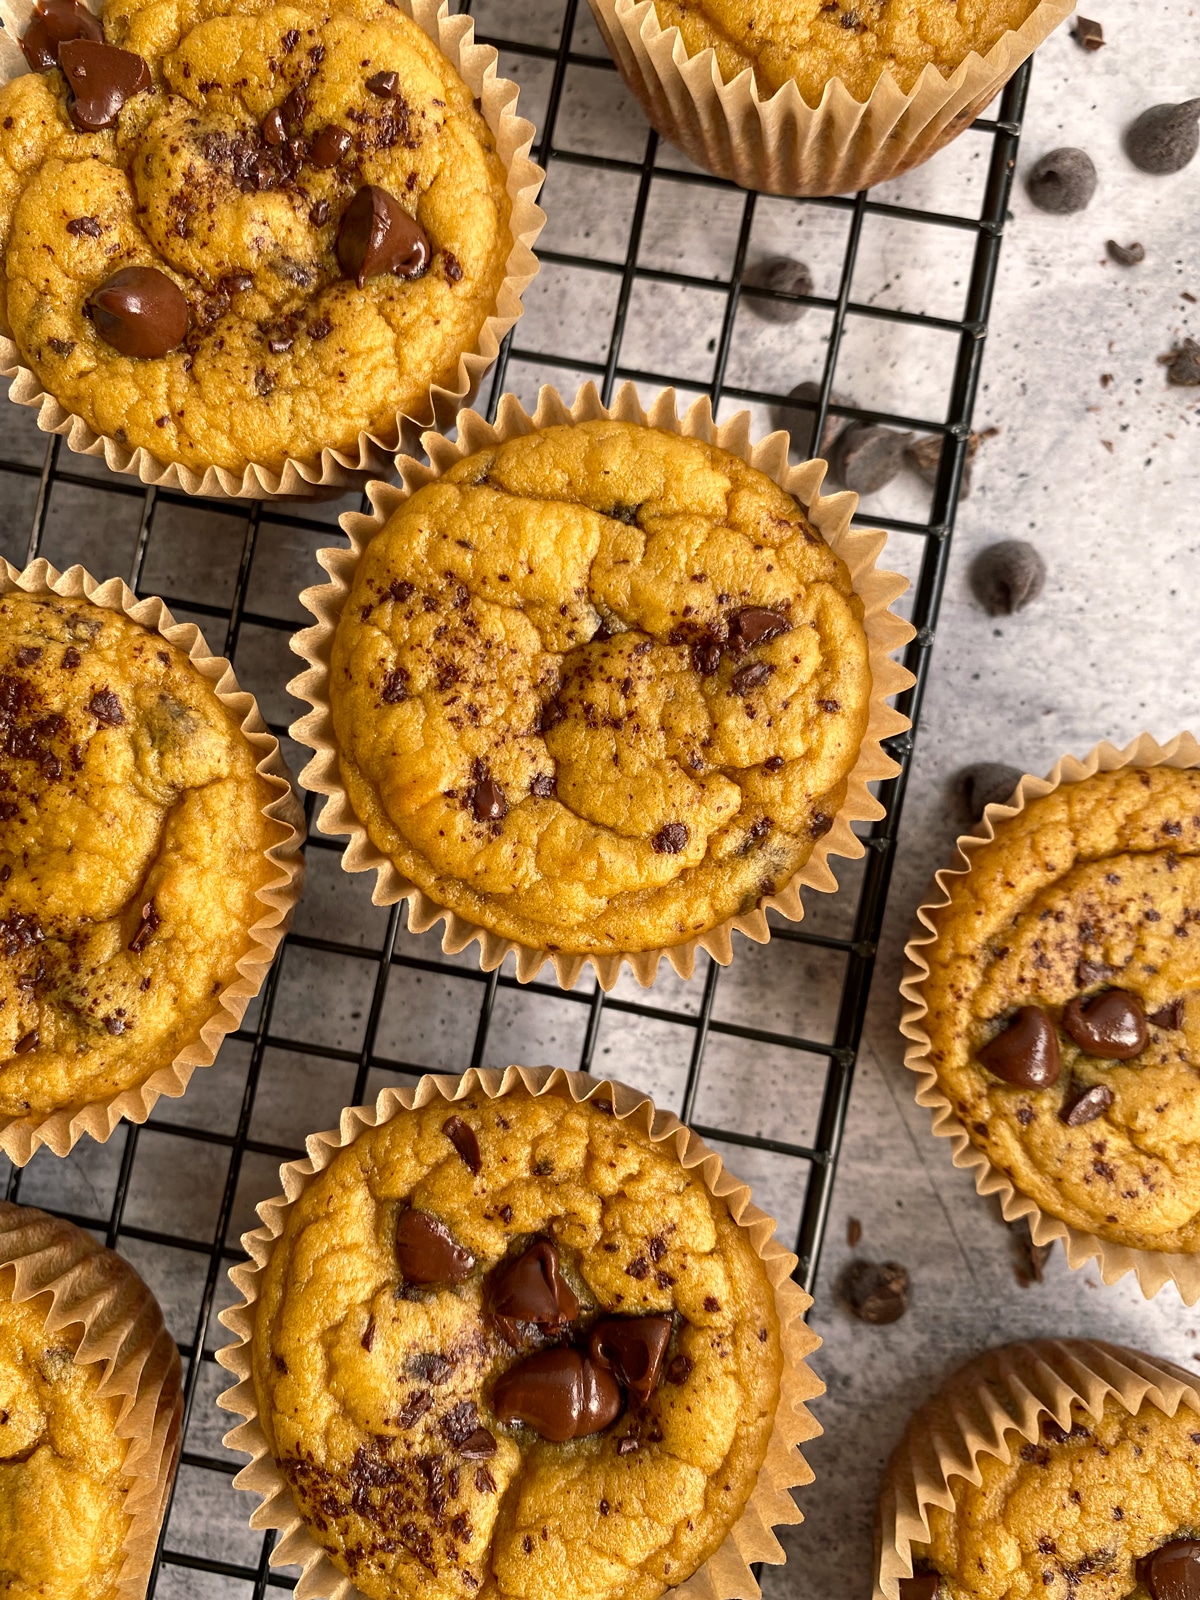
(874, 1292)
(1088, 35)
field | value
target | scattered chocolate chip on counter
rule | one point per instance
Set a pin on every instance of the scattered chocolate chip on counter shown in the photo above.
(782, 275)
(1063, 181)
(1165, 138)
(986, 783)
(1125, 255)
(875, 1292)
(1183, 364)
(1007, 576)
(1088, 35)
(866, 457)
(800, 422)
(1029, 1259)
(854, 1233)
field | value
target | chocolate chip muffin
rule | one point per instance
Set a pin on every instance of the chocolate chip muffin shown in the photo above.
(1063, 1010)
(599, 688)
(512, 1347)
(1107, 1509)
(813, 42)
(238, 237)
(132, 850)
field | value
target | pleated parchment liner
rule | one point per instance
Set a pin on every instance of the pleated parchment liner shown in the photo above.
(21, 1136)
(1153, 1268)
(830, 514)
(1011, 1387)
(726, 1575)
(335, 470)
(782, 144)
(98, 1301)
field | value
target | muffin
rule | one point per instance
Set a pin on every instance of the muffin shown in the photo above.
(235, 239)
(139, 866)
(506, 1344)
(79, 1500)
(598, 689)
(1063, 1015)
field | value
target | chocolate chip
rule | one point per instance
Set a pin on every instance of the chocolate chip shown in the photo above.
(921, 1586)
(1111, 1025)
(479, 1445)
(84, 227)
(782, 275)
(53, 24)
(101, 79)
(1165, 138)
(330, 145)
(71, 658)
(542, 785)
(26, 1043)
(1092, 1103)
(273, 130)
(319, 214)
(560, 1394)
(1062, 181)
(376, 235)
(1090, 972)
(427, 1252)
(799, 422)
(1126, 255)
(140, 312)
(414, 1408)
(462, 1136)
(633, 1348)
(670, 840)
(488, 803)
(1026, 1053)
(531, 1288)
(1172, 1572)
(875, 1292)
(628, 1445)
(750, 677)
(236, 283)
(147, 928)
(1087, 34)
(1006, 576)
(280, 346)
(28, 655)
(1168, 1016)
(679, 1370)
(820, 824)
(986, 783)
(866, 458)
(106, 708)
(1183, 364)
(755, 625)
(384, 84)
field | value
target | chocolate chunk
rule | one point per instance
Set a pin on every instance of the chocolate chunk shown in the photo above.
(1111, 1025)
(414, 1408)
(680, 1369)
(106, 708)
(462, 1136)
(1125, 255)
(54, 23)
(273, 130)
(487, 800)
(330, 145)
(875, 1292)
(1172, 1572)
(750, 677)
(149, 925)
(479, 1445)
(986, 783)
(28, 655)
(866, 458)
(1088, 35)
(559, 1394)
(1093, 1103)
(706, 655)
(319, 214)
(755, 625)
(431, 1367)
(84, 228)
(376, 235)
(26, 1043)
(782, 275)
(1062, 181)
(1090, 972)
(1183, 364)
(101, 79)
(426, 1250)
(1168, 1016)
(921, 1586)
(140, 313)
(531, 1289)
(633, 1348)
(1026, 1053)
(236, 282)
(670, 840)
(1006, 576)
(541, 785)
(384, 84)
(1165, 138)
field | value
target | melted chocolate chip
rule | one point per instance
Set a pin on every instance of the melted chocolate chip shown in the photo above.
(106, 708)
(559, 1394)
(1168, 1016)
(633, 1348)
(462, 1136)
(680, 1369)
(755, 625)
(26, 1043)
(531, 1289)
(426, 1250)
(273, 130)
(487, 800)
(1093, 1103)
(752, 676)
(140, 313)
(384, 84)
(376, 235)
(670, 840)
(54, 23)
(1026, 1054)
(1111, 1025)
(101, 79)
(921, 1586)
(330, 145)
(1172, 1572)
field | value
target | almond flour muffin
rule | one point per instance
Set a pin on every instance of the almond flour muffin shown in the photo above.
(238, 236)
(512, 1348)
(812, 42)
(599, 688)
(132, 847)
(1063, 1011)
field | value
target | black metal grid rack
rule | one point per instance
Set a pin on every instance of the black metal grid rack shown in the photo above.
(213, 1137)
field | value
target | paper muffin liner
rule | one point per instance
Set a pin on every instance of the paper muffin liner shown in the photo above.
(1008, 1388)
(335, 470)
(727, 1574)
(780, 143)
(60, 1130)
(1153, 1268)
(830, 514)
(86, 1287)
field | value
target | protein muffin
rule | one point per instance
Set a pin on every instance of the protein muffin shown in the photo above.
(133, 847)
(510, 1346)
(240, 238)
(599, 688)
(1063, 1016)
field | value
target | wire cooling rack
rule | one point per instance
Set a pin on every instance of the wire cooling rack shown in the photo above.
(646, 276)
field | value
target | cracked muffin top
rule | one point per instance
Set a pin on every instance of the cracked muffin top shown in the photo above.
(599, 688)
(62, 1485)
(236, 234)
(132, 847)
(511, 1347)
(1064, 1016)
(1108, 1509)
(811, 42)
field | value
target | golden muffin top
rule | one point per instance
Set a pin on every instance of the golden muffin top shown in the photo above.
(599, 688)
(1063, 1006)
(511, 1348)
(320, 204)
(1107, 1510)
(132, 846)
(62, 1487)
(812, 42)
